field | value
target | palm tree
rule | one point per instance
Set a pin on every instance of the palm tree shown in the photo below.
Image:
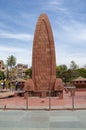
(11, 62)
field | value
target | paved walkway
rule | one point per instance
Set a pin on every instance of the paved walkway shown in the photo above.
(42, 120)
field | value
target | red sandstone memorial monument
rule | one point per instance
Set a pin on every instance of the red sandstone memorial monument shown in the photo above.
(44, 81)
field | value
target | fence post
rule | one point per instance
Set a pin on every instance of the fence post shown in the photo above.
(73, 94)
(49, 100)
(72, 98)
(26, 100)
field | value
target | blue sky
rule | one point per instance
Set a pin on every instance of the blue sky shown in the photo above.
(68, 21)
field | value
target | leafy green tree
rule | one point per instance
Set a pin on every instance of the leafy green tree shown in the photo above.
(60, 72)
(29, 72)
(74, 74)
(11, 62)
(7, 74)
(63, 67)
(73, 65)
(85, 66)
(82, 72)
(2, 76)
(67, 75)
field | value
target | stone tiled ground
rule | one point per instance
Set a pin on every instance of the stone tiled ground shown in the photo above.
(42, 120)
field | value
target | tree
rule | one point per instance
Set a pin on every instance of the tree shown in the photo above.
(29, 72)
(82, 72)
(60, 72)
(73, 65)
(85, 66)
(7, 74)
(67, 75)
(2, 76)
(62, 67)
(11, 62)
(75, 74)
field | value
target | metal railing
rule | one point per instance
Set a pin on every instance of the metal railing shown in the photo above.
(69, 101)
(72, 91)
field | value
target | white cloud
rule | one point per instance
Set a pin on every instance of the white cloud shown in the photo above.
(54, 6)
(6, 49)
(22, 37)
(72, 32)
(22, 54)
(54, 2)
(71, 43)
(21, 21)
(63, 56)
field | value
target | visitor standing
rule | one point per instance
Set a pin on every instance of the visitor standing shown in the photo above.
(16, 84)
(9, 85)
(3, 84)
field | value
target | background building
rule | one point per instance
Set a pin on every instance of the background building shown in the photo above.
(3, 68)
(17, 72)
(20, 70)
(80, 83)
